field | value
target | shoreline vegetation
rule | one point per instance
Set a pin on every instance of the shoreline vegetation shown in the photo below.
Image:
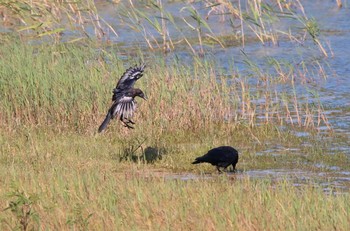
(58, 66)
(66, 85)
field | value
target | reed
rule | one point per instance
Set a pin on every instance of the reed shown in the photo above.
(69, 86)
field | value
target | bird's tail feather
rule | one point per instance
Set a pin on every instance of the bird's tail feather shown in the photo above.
(105, 122)
(197, 161)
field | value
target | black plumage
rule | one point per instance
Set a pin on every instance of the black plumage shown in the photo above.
(221, 157)
(123, 98)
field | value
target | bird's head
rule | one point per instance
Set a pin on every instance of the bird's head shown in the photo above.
(140, 94)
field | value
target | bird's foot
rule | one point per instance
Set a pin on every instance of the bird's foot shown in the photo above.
(128, 126)
(130, 121)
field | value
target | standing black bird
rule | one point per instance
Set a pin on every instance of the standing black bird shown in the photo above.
(124, 94)
(222, 156)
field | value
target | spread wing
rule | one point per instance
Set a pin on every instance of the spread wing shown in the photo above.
(130, 76)
(128, 80)
(124, 107)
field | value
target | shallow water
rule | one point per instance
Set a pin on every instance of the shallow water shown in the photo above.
(331, 182)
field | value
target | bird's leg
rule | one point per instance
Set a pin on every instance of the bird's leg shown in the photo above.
(126, 123)
(218, 168)
(130, 121)
(233, 168)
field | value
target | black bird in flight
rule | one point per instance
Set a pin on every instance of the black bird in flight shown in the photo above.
(124, 94)
(221, 157)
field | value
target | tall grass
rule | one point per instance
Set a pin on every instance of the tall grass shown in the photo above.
(68, 87)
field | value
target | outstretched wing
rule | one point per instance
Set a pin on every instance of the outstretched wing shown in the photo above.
(127, 80)
(130, 76)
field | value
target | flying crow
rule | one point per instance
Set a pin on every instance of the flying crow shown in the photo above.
(221, 157)
(124, 94)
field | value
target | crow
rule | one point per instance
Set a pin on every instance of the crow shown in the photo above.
(124, 94)
(221, 157)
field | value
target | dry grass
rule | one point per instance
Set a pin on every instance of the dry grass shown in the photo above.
(68, 87)
(95, 195)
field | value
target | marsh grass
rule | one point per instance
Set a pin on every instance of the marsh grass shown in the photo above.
(68, 87)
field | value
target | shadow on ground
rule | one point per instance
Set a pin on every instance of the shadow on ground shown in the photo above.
(148, 155)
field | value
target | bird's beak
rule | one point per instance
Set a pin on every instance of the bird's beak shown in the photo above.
(144, 97)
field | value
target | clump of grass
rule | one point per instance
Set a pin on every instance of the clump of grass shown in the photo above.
(21, 206)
